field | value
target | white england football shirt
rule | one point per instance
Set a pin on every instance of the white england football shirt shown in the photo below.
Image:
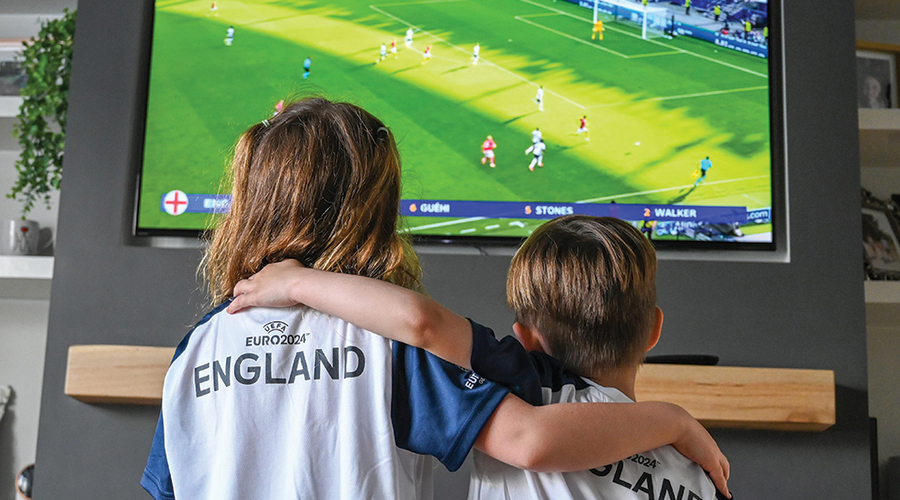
(293, 403)
(660, 474)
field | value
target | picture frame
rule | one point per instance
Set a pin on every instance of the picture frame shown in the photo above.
(881, 239)
(876, 79)
(12, 71)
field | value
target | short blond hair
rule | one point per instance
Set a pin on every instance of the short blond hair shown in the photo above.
(588, 285)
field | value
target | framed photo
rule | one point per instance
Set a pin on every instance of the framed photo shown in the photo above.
(876, 79)
(12, 72)
(881, 243)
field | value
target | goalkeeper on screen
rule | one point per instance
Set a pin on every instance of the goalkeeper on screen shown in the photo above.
(597, 30)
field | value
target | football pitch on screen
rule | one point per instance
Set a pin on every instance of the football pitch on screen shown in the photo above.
(654, 107)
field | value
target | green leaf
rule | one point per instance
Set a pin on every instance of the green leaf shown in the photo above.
(47, 59)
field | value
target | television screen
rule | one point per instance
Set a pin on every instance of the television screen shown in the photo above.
(507, 113)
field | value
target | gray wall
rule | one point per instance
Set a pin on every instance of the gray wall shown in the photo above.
(808, 313)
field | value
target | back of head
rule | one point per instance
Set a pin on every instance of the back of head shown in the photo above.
(588, 284)
(320, 183)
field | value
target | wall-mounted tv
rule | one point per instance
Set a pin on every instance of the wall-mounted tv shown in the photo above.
(656, 113)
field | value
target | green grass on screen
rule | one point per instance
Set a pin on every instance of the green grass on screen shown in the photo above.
(655, 107)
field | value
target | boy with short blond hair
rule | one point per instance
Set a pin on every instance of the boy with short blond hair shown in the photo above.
(583, 290)
(588, 285)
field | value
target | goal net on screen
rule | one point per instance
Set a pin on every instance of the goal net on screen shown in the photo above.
(653, 21)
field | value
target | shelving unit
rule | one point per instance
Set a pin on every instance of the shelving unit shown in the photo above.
(879, 158)
(879, 144)
(21, 277)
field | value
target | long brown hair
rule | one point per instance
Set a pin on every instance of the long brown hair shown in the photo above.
(320, 183)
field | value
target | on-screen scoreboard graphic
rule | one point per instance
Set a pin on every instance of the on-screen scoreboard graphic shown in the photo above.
(668, 129)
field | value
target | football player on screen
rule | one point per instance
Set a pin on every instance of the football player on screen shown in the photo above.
(597, 30)
(538, 150)
(583, 128)
(487, 147)
(705, 165)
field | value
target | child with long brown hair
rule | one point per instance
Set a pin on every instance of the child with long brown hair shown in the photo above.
(290, 402)
(319, 183)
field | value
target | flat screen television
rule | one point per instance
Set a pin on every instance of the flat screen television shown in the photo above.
(661, 114)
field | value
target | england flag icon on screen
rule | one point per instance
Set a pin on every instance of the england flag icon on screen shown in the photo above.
(175, 202)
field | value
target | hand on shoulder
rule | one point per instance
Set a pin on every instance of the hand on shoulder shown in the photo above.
(271, 287)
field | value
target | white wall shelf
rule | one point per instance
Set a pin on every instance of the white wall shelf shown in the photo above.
(26, 267)
(883, 292)
(879, 137)
(25, 277)
(879, 119)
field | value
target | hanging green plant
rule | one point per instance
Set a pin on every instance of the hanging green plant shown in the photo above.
(41, 125)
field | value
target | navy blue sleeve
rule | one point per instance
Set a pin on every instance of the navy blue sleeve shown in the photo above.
(156, 479)
(438, 408)
(507, 363)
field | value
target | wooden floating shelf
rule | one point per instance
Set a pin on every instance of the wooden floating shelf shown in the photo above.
(117, 374)
(746, 398)
(717, 396)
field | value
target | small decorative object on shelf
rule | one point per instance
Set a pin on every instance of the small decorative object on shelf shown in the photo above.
(19, 237)
(881, 238)
(25, 237)
(876, 74)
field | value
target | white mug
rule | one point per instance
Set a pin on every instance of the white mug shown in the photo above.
(20, 237)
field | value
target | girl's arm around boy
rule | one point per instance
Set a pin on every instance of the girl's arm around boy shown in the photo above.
(560, 437)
